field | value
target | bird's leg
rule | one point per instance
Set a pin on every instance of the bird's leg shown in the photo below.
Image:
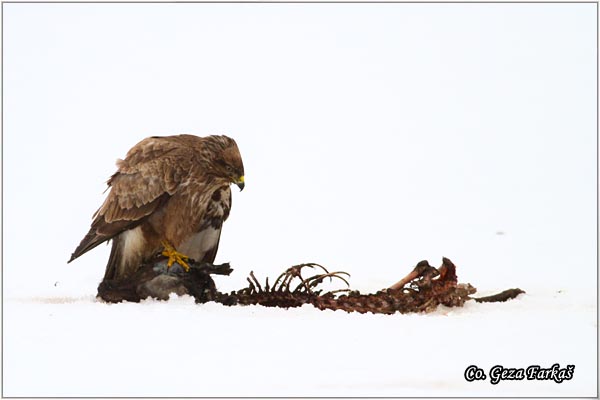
(174, 256)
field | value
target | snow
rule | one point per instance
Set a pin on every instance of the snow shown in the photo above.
(373, 136)
(178, 348)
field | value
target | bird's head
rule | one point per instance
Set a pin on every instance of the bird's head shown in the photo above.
(227, 162)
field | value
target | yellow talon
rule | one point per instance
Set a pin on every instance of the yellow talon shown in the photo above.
(175, 256)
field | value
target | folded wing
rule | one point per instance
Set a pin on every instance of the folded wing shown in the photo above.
(145, 180)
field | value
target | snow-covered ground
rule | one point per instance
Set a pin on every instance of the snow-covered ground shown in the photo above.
(373, 136)
(75, 346)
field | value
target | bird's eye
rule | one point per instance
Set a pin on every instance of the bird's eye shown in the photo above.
(228, 168)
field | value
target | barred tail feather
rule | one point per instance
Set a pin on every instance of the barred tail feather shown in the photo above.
(115, 259)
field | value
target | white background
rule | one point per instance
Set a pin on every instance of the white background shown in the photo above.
(373, 136)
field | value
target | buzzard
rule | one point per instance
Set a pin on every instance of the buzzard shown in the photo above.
(169, 194)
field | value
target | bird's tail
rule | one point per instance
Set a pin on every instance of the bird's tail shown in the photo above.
(115, 259)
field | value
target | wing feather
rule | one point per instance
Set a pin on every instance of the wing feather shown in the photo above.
(218, 213)
(150, 174)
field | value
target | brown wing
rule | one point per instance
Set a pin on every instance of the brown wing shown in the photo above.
(217, 213)
(150, 174)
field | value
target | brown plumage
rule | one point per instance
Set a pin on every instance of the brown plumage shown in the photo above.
(171, 188)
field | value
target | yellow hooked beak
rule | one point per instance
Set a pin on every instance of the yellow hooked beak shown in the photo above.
(240, 183)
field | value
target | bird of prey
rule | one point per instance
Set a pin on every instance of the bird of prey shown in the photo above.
(169, 194)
